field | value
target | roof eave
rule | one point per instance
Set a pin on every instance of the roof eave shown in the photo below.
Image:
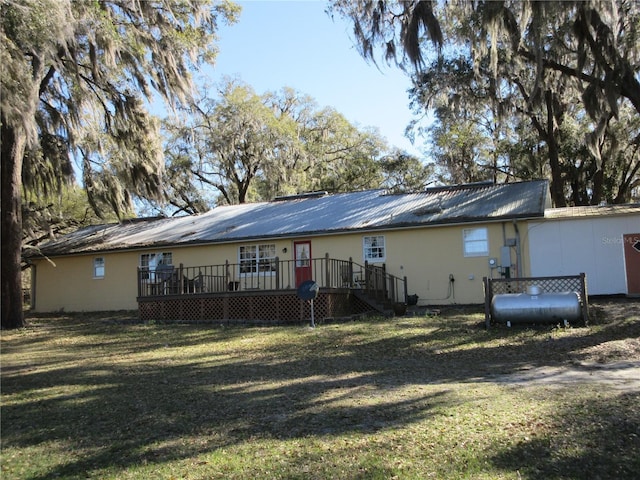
(309, 233)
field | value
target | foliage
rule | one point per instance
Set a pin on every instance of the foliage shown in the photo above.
(88, 65)
(499, 69)
(74, 79)
(239, 146)
(104, 396)
(405, 173)
(48, 216)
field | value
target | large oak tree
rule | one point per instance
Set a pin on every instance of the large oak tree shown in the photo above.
(234, 146)
(530, 59)
(74, 78)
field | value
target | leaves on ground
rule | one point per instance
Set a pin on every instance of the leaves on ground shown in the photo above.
(105, 396)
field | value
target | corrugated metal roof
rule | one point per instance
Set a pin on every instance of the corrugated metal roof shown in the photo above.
(315, 214)
(591, 211)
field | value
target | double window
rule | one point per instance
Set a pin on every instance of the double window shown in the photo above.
(374, 249)
(257, 258)
(149, 263)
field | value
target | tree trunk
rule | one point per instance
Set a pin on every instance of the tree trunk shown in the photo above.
(557, 182)
(13, 147)
(598, 187)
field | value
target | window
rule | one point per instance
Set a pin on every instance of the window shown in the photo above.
(475, 242)
(374, 249)
(302, 254)
(257, 258)
(150, 261)
(98, 267)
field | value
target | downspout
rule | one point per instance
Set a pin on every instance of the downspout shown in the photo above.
(519, 266)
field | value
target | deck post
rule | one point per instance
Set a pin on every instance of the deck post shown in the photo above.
(181, 279)
(385, 287)
(585, 300)
(486, 282)
(277, 266)
(327, 269)
(367, 277)
(351, 272)
(406, 290)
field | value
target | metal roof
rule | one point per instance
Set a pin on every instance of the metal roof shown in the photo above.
(319, 213)
(591, 211)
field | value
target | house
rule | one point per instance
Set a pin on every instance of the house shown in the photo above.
(437, 244)
(601, 241)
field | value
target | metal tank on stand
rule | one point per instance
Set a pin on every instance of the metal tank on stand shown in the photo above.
(535, 306)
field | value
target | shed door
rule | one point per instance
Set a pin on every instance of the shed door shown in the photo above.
(631, 244)
(302, 252)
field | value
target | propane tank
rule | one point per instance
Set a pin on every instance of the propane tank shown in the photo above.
(536, 307)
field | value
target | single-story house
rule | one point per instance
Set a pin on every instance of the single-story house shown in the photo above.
(601, 241)
(437, 244)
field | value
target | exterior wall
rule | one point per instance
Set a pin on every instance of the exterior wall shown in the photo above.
(426, 256)
(592, 245)
(69, 284)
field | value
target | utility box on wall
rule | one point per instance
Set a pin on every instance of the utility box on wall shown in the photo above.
(505, 259)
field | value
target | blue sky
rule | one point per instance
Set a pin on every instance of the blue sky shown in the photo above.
(296, 44)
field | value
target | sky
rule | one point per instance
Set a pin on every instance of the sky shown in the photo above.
(295, 44)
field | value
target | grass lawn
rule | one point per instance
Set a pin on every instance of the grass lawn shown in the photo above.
(88, 396)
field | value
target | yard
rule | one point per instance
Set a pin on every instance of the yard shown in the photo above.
(90, 396)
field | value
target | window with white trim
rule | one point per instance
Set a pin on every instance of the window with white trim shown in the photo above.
(373, 248)
(475, 242)
(98, 267)
(257, 258)
(150, 261)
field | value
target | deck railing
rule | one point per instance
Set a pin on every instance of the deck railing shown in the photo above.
(273, 274)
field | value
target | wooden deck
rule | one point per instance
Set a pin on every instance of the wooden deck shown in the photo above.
(226, 294)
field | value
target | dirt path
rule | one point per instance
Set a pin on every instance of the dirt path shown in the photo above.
(614, 363)
(623, 375)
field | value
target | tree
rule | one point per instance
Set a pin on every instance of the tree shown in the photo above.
(45, 217)
(66, 62)
(469, 125)
(342, 157)
(241, 146)
(405, 173)
(228, 142)
(592, 41)
(526, 60)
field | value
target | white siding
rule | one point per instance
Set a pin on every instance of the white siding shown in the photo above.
(592, 245)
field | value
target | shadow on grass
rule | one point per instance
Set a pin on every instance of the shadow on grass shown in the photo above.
(592, 438)
(123, 413)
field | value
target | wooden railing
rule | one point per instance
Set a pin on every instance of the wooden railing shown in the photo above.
(274, 274)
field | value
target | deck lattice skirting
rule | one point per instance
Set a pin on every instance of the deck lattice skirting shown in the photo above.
(264, 307)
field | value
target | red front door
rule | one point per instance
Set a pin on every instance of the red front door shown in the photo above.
(631, 243)
(302, 257)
